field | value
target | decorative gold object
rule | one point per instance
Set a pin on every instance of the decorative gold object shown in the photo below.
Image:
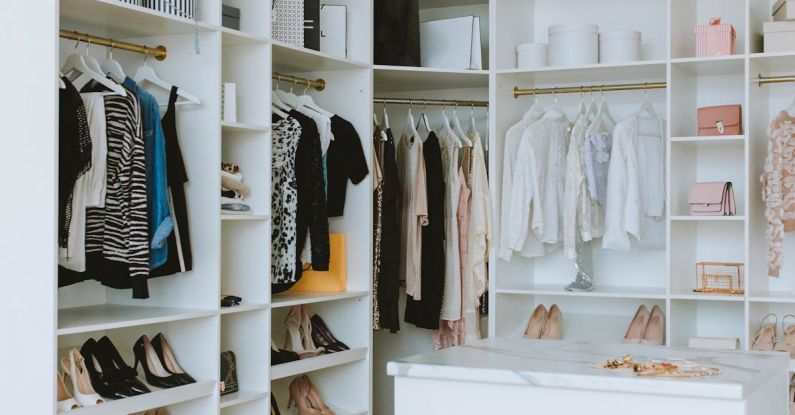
(670, 368)
(720, 278)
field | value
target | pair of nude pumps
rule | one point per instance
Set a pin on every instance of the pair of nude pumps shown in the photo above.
(767, 339)
(545, 325)
(647, 327)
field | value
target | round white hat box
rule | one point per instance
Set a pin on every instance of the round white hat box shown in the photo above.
(532, 55)
(619, 46)
(573, 44)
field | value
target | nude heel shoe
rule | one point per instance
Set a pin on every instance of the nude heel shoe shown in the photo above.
(637, 328)
(765, 339)
(553, 327)
(315, 399)
(296, 340)
(788, 344)
(65, 401)
(655, 328)
(299, 397)
(536, 323)
(75, 366)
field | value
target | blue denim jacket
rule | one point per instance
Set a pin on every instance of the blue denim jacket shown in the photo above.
(160, 222)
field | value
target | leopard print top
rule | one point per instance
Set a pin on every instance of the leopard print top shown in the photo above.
(284, 202)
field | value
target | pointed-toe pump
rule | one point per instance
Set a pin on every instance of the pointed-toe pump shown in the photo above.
(299, 397)
(155, 373)
(106, 379)
(298, 337)
(787, 344)
(536, 323)
(655, 328)
(323, 336)
(169, 360)
(315, 399)
(75, 366)
(553, 327)
(274, 406)
(637, 328)
(765, 339)
(127, 374)
(66, 402)
(279, 356)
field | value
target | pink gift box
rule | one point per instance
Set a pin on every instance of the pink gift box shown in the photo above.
(715, 39)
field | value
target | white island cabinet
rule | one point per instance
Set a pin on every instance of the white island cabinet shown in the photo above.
(518, 376)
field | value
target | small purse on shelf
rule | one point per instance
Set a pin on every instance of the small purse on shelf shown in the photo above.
(720, 120)
(229, 373)
(712, 199)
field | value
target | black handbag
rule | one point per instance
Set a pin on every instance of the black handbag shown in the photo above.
(229, 373)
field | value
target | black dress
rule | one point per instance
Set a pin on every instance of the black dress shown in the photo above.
(388, 278)
(180, 257)
(426, 312)
(345, 161)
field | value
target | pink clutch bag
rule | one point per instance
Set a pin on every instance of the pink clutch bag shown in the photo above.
(712, 199)
(720, 120)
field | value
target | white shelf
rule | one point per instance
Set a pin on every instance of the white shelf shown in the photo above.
(243, 308)
(111, 316)
(243, 217)
(772, 297)
(242, 397)
(772, 63)
(337, 410)
(705, 142)
(325, 361)
(151, 400)
(239, 127)
(432, 4)
(123, 20)
(707, 297)
(288, 59)
(685, 218)
(712, 66)
(411, 78)
(642, 71)
(291, 298)
(599, 292)
(232, 37)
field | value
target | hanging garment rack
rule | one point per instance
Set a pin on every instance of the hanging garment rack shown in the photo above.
(436, 102)
(318, 84)
(158, 53)
(762, 80)
(517, 92)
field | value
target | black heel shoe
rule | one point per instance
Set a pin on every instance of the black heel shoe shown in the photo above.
(106, 382)
(274, 406)
(169, 360)
(321, 331)
(155, 373)
(127, 374)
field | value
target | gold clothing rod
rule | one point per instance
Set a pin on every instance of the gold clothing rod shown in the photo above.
(762, 80)
(436, 102)
(318, 84)
(159, 52)
(517, 92)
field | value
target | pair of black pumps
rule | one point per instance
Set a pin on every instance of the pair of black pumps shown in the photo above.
(112, 378)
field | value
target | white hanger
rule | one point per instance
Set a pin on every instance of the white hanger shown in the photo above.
(146, 74)
(276, 102)
(77, 66)
(537, 107)
(451, 135)
(307, 102)
(602, 118)
(459, 132)
(555, 110)
(646, 106)
(472, 125)
(412, 127)
(385, 118)
(791, 108)
(90, 61)
(113, 67)
(424, 120)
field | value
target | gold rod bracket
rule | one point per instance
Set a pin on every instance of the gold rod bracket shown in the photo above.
(160, 52)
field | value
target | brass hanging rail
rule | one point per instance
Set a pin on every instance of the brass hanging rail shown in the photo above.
(436, 102)
(158, 53)
(517, 92)
(318, 84)
(762, 80)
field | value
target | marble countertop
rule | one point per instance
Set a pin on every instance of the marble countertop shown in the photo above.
(565, 364)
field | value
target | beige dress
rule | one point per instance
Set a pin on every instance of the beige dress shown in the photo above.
(414, 211)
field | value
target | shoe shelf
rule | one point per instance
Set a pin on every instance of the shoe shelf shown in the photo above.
(312, 364)
(154, 399)
(113, 316)
(241, 397)
(244, 307)
(291, 298)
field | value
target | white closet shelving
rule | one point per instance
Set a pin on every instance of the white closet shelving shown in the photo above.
(231, 253)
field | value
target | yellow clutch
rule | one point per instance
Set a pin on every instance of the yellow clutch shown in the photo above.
(332, 280)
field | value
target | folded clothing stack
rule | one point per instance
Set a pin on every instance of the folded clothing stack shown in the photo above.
(233, 190)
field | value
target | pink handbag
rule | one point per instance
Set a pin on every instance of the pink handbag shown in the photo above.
(712, 199)
(720, 120)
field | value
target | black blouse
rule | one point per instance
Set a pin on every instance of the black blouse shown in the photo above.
(345, 161)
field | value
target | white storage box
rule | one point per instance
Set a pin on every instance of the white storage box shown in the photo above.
(573, 44)
(779, 36)
(619, 46)
(334, 30)
(451, 43)
(532, 55)
(784, 10)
